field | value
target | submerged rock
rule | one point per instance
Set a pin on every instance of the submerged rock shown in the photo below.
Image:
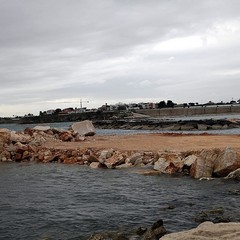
(234, 175)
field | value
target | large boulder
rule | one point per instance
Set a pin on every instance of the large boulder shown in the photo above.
(204, 164)
(234, 175)
(41, 128)
(168, 163)
(19, 137)
(227, 161)
(84, 128)
(208, 231)
(4, 137)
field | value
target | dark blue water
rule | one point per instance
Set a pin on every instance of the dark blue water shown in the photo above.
(56, 201)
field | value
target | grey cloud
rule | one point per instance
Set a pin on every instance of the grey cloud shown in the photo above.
(53, 49)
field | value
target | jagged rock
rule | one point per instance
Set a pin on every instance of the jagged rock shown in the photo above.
(187, 127)
(188, 161)
(45, 155)
(84, 128)
(208, 231)
(96, 165)
(109, 236)
(105, 154)
(20, 148)
(79, 138)
(161, 164)
(165, 166)
(215, 162)
(148, 172)
(124, 165)
(155, 232)
(92, 158)
(66, 136)
(136, 157)
(203, 165)
(202, 127)
(113, 161)
(227, 161)
(41, 128)
(18, 137)
(5, 156)
(234, 175)
(4, 137)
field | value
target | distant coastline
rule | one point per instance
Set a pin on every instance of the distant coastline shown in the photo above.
(127, 114)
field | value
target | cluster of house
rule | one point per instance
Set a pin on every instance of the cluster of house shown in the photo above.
(105, 107)
(130, 106)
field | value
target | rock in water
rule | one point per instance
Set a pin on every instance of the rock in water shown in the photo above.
(208, 231)
(234, 175)
(227, 161)
(84, 128)
(4, 137)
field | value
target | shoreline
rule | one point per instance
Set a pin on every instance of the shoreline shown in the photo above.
(197, 155)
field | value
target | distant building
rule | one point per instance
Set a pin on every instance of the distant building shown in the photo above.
(50, 112)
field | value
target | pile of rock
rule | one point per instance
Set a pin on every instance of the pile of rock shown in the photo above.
(208, 231)
(156, 231)
(27, 146)
(168, 124)
(204, 164)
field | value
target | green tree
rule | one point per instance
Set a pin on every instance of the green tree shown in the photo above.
(162, 104)
(170, 104)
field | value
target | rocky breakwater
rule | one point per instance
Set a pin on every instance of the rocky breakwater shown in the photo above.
(27, 145)
(208, 231)
(169, 125)
(43, 144)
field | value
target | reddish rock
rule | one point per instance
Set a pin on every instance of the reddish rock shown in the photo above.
(5, 156)
(92, 158)
(4, 137)
(66, 137)
(113, 161)
(20, 148)
(71, 160)
(18, 157)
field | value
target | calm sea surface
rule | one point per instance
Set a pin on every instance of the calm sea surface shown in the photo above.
(56, 201)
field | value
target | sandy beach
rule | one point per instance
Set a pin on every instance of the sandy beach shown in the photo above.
(154, 142)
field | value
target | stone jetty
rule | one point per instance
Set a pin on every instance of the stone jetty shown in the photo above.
(46, 145)
(168, 124)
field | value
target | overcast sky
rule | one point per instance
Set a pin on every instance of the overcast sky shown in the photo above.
(55, 52)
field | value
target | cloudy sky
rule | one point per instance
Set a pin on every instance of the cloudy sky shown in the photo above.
(55, 52)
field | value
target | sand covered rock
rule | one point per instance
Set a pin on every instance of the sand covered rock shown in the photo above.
(208, 231)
